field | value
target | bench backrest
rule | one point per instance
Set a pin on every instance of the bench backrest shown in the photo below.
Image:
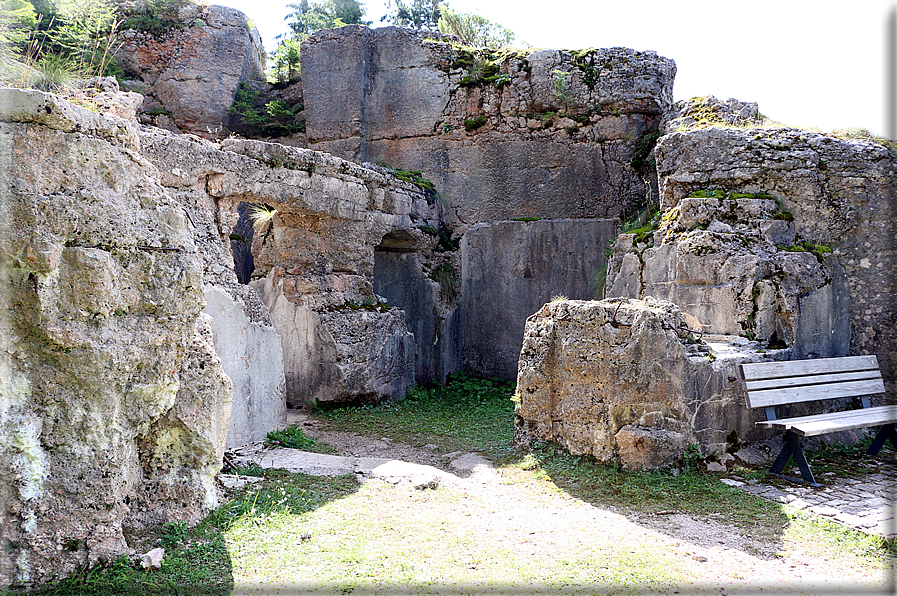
(776, 383)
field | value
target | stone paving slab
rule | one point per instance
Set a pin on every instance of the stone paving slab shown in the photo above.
(866, 503)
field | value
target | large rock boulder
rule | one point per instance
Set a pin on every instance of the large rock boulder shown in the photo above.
(114, 406)
(189, 74)
(626, 380)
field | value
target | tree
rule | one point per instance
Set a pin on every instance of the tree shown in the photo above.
(474, 30)
(310, 17)
(415, 14)
(286, 59)
(17, 19)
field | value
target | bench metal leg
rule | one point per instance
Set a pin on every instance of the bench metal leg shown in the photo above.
(888, 431)
(792, 448)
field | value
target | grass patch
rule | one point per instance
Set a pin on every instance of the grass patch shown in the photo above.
(465, 414)
(292, 437)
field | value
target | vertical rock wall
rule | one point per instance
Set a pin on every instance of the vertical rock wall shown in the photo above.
(510, 269)
(113, 403)
(547, 134)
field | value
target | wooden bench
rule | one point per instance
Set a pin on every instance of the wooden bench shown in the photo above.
(771, 384)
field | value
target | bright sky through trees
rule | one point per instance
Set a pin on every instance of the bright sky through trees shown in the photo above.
(807, 63)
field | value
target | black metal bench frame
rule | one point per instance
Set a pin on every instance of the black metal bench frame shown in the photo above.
(771, 384)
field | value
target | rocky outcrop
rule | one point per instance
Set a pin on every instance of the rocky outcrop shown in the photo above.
(498, 133)
(731, 262)
(841, 195)
(626, 380)
(314, 260)
(114, 405)
(189, 75)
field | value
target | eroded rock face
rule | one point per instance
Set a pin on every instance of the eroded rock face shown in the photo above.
(498, 136)
(841, 194)
(190, 75)
(314, 260)
(624, 380)
(112, 395)
(731, 263)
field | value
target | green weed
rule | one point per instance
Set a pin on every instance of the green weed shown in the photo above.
(292, 437)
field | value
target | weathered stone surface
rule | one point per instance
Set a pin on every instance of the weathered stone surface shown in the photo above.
(399, 277)
(700, 112)
(252, 358)
(112, 396)
(607, 378)
(841, 194)
(314, 261)
(512, 268)
(190, 74)
(713, 258)
(391, 95)
(649, 448)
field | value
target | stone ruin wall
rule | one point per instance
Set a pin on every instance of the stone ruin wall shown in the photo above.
(81, 297)
(841, 194)
(733, 202)
(114, 407)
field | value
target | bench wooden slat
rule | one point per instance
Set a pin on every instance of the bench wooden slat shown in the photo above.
(790, 395)
(770, 370)
(811, 380)
(808, 426)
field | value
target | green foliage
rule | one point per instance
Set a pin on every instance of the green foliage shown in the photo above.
(818, 250)
(474, 30)
(526, 219)
(643, 224)
(292, 437)
(54, 72)
(447, 279)
(274, 119)
(561, 83)
(84, 34)
(414, 177)
(252, 469)
(286, 58)
(307, 18)
(642, 159)
(414, 14)
(471, 124)
(586, 61)
(708, 194)
(17, 19)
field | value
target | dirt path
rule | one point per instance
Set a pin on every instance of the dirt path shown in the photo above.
(532, 521)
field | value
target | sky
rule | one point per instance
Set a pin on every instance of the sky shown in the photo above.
(807, 66)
